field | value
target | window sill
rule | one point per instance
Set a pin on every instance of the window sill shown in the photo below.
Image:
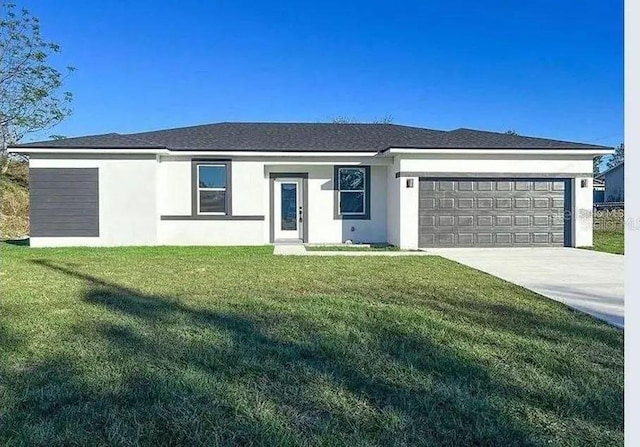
(211, 217)
(352, 217)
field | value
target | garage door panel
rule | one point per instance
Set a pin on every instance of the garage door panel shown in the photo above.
(504, 186)
(492, 212)
(503, 238)
(484, 186)
(465, 186)
(445, 186)
(446, 203)
(465, 221)
(484, 238)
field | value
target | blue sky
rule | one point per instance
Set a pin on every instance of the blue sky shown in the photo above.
(547, 68)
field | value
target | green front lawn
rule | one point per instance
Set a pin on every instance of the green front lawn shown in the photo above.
(609, 241)
(208, 346)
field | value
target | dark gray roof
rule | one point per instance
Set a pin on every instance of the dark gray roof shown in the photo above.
(103, 141)
(308, 137)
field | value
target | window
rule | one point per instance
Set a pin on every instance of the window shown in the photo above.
(212, 188)
(352, 186)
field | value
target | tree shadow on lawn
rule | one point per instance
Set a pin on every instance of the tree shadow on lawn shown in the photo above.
(182, 375)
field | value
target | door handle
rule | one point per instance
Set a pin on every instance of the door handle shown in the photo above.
(300, 213)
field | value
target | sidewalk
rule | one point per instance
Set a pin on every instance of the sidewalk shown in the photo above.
(300, 250)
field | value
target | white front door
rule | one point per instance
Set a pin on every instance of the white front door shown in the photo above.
(287, 208)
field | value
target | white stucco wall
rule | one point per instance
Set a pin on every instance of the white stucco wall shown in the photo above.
(476, 164)
(250, 197)
(582, 222)
(175, 196)
(127, 205)
(323, 227)
(468, 163)
(134, 192)
(211, 232)
(393, 203)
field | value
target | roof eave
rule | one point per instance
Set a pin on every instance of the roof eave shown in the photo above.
(84, 150)
(471, 150)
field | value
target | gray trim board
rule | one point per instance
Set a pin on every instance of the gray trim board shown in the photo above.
(211, 217)
(568, 213)
(367, 194)
(305, 194)
(64, 202)
(474, 175)
(194, 184)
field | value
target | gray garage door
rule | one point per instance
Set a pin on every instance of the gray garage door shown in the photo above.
(493, 212)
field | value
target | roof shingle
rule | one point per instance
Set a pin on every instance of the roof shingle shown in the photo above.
(307, 137)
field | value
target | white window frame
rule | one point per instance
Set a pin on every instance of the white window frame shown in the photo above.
(198, 188)
(363, 190)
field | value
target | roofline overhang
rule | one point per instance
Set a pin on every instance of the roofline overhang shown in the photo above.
(496, 151)
(94, 150)
(250, 153)
(194, 153)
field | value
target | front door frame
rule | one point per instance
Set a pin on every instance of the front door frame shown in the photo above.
(305, 202)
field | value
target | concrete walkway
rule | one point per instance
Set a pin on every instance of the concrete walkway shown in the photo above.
(589, 281)
(289, 250)
(300, 250)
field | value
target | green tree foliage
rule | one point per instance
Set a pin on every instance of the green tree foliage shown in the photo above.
(30, 87)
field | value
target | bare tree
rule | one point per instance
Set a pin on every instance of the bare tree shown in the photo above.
(343, 119)
(387, 119)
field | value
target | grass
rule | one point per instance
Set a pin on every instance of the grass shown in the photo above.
(608, 231)
(210, 346)
(609, 242)
(353, 247)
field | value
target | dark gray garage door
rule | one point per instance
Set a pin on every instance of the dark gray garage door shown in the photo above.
(493, 212)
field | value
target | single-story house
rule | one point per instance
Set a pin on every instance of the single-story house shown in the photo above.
(613, 179)
(260, 183)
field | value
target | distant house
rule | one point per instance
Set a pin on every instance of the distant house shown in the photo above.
(613, 183)
(598, 190)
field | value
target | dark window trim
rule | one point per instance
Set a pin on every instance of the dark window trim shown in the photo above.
(305, 206)
(194, 186)
(367, 194)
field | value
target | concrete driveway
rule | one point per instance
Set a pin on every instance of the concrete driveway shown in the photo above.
(589, 281)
